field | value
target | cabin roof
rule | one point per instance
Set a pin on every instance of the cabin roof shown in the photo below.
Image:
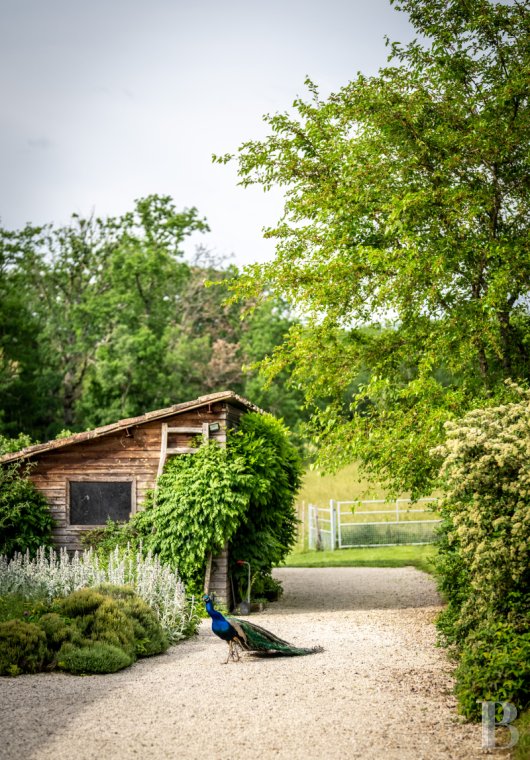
(98, 432)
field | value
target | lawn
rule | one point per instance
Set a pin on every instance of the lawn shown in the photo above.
(381, 556)
(347, 485)
(344, 485)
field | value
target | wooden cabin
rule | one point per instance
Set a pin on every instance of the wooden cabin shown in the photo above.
(105, 473)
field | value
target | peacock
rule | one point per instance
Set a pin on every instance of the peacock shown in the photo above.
(240, 634)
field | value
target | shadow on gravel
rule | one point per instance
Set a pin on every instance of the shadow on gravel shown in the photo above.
(34, 708)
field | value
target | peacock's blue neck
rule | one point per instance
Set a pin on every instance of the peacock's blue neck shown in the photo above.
(212, 612)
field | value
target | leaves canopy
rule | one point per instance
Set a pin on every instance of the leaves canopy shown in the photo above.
(104, 319)
(406, 208)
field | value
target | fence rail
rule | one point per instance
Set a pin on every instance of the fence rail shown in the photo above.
(341, 526)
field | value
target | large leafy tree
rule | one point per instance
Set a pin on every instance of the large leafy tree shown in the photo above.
(106, 318)
(407, 208)
(142, 282)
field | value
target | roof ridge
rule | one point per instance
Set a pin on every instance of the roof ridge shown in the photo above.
(103, 430)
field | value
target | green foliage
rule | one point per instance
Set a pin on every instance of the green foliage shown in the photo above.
(484, 551)
(200, 501)
(149, 636)
(81, 603)
(95, 657)
(495, 666)
(114, 534)
(29, 583)
(521, 751)
(267, 532)
(485, 548)
(407, 209)
(22, 648)
(57, 630)
(25, 519)
(10, 445)
(242, 495)
(111, 625)
(89, 631)
(105, 318)
(107, 621)
(264, 586)
(16, 605)
(23, 386)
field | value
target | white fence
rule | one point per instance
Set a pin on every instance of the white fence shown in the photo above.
(362, 523)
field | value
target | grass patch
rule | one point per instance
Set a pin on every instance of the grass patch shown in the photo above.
(380, 556)
(344, 485)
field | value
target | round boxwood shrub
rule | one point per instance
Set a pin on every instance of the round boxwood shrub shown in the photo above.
(149, 635)
(110, 615)
(94, 657)
(22, 648)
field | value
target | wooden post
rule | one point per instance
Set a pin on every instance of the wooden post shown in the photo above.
(319, 534)
(163, 449)
(208, 573)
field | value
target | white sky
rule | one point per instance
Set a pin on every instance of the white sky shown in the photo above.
(106, 101)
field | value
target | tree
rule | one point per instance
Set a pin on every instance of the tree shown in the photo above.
(406, 208)
(87, 308)
(103, 319)
(142, 277)
(21, 349)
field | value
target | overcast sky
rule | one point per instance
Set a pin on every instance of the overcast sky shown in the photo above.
(106, 101)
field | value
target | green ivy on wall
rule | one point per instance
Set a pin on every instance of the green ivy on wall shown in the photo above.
(242, 494)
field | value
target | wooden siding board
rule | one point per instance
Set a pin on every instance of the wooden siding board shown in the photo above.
(131, 452)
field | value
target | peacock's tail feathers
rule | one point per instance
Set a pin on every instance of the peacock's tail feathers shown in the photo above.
(254, 638)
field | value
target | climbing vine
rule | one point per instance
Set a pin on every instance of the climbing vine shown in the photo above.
(242, 494)
(267, 532)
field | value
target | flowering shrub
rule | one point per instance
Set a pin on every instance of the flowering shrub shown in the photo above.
(55, 574)
(484, 550)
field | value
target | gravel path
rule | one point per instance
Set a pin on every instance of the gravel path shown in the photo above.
(380, 690)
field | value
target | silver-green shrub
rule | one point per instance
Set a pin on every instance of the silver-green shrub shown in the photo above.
(53, 574)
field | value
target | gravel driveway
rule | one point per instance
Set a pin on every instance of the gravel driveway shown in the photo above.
(380, 690)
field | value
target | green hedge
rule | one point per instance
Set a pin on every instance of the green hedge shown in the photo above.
(483, 561)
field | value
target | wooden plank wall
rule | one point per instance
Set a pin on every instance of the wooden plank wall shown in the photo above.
(219, 579)
(131, 453)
